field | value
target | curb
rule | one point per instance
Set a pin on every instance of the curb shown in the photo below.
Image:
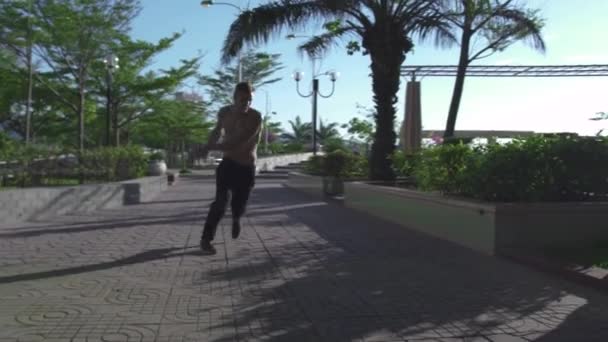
(591, 276)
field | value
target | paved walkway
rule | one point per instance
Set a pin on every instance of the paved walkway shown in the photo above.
(301, 271)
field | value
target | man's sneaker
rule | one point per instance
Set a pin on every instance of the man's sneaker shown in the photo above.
(206, 247)
(236, 228)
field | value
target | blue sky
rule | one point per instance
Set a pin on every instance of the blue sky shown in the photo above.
(574, 34)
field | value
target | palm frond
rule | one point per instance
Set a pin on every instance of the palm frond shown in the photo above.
(523, 24)
(259, 24)
(321, 44)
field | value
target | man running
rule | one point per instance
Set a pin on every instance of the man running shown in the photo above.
(236, 172)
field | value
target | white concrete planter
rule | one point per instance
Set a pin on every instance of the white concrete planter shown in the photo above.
(486, 227)
(18, 205)
(157, 168)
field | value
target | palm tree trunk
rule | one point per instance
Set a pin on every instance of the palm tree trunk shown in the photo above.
(463, 63)
(385, 85)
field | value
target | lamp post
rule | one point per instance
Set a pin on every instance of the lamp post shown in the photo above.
(30, 80)
(314, 88)
(333, 76)
(111, 63)
(207, 3)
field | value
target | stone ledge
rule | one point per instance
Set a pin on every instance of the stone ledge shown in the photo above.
(20, 205)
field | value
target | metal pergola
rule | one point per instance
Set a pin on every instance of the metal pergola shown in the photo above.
(411, 136)
(507, 70)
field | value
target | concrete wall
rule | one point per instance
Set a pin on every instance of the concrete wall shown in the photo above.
(468, 224)
(269, 163)
(577, 224)
(36, 203)
(486, 227)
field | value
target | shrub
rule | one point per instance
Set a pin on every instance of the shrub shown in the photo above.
(333, 144)
(293, 148)
(404, 164)
(540, 168)
(38, 166)
(339, 164)
(314, 165)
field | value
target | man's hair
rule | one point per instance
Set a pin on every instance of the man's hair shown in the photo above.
(244, 87)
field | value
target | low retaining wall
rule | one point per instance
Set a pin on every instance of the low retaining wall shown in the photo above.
(269, 163)
(312, 185)
(36, 203)
(486, 227)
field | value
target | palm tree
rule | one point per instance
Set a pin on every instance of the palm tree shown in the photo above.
(499, 23)
(301, 132)
(327, 131)
(383, 28)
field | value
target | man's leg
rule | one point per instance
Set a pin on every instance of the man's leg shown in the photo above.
(240, 195)
(218, 207)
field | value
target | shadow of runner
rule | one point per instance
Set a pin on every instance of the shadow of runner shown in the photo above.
(351, 277)
(187, 217)
(154, 254)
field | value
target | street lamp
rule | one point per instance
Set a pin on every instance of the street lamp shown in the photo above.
(333, 77)
(111, 63)
(208, 3)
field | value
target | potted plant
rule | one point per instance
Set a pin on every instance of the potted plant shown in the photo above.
(157, 165)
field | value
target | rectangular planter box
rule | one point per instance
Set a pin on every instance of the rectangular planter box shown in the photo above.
(486, 227)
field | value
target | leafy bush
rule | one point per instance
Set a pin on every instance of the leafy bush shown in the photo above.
(339, 164)
(404, 164)
(444, 168)
(32, 165)
(7, 146)
(293, 148)
(314, 165)
(333, 144)
(540, 168)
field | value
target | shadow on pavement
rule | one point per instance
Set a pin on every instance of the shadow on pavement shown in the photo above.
(367, 278)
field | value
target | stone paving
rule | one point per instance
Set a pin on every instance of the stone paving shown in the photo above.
(301, 271)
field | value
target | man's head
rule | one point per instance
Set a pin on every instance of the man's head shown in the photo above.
(243, 93)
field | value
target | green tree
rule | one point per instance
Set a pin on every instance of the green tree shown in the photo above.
(73, 36)
(136, 91)
(383, 29)
(301, 132)
(174, 125)
(498, 24)
(259, 69)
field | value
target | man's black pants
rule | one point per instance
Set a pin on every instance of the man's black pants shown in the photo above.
(230, 177)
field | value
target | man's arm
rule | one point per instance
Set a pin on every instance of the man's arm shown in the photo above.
(250, 132)
(214, 135)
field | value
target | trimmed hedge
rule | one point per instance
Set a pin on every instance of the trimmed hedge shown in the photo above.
(540, 168)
